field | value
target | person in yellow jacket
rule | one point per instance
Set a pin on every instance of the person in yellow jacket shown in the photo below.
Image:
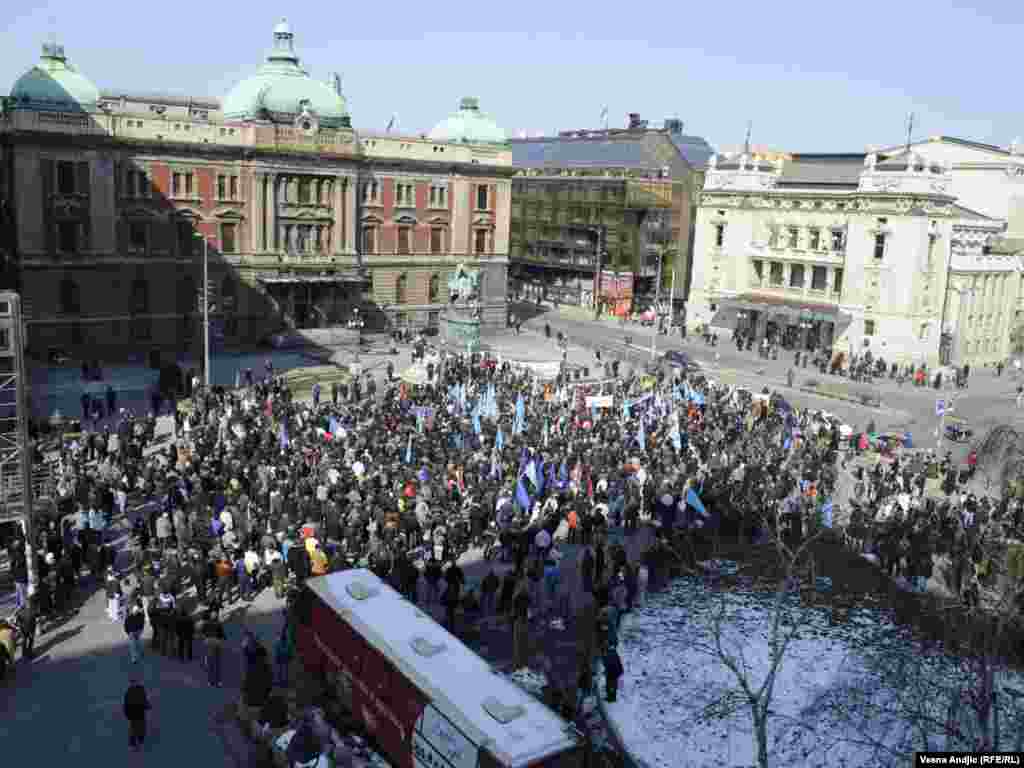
(318, 561)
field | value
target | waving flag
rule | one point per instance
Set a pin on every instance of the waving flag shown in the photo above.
(523, 496)
(641, 436)
(826, 513)
(693, 500)
(499, 441)
(531, 473)
(408, 451)
(625, 409)
(285, 441)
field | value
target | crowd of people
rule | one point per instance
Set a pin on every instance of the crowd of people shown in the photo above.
(259, 489)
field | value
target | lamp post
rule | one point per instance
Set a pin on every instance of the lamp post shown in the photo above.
(206, 308)
(806, 323)
(742, 316)
(356, 324)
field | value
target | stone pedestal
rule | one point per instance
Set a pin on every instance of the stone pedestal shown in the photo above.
(460, 329)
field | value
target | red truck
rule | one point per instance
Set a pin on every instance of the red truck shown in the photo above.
(426, 698)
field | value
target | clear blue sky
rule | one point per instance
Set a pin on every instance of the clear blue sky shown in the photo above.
(812, 76)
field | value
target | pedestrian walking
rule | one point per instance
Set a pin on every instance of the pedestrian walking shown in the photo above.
(185, 629)
(136, 705)
(134, 624)
(613, 671)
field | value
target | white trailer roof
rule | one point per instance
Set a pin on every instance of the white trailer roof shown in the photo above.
(459, 683)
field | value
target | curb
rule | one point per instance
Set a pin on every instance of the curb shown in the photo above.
(844, 398)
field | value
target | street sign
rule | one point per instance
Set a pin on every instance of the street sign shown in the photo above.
(940, 407)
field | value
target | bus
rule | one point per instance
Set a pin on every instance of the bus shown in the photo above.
(426, 699)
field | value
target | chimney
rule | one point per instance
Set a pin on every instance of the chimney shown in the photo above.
(634, 121)
(674, 126)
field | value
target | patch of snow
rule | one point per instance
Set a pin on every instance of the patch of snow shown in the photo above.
(680, 707)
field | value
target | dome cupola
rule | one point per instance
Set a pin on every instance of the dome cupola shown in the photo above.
(469, 125)
(53, 85)
(281, 91)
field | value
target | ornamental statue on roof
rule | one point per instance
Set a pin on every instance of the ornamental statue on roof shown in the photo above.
(463, 284)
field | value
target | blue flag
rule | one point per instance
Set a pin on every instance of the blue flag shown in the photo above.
(693, 500)
(641, 436)
(285, 441)
(500, 439)
(408, 451)
(563, 472)
(523, 496)
(625, 409)
(826, 514)
(477, 429)
(333, 426)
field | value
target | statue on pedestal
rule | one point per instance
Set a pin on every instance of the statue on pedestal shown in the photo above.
(463, 285)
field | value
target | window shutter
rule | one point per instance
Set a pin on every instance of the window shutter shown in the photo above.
(82, 178)
(49, 225)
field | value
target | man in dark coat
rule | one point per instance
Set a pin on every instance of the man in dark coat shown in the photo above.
(136, 704)
(185, 628)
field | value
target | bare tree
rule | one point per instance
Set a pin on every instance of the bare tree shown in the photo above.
(752, 690)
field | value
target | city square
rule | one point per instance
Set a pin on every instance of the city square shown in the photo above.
(455, 444)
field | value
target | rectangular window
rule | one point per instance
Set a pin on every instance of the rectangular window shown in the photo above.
(228, 238)
(796, 276)
(837, 240)
(480, 244)
(234, 188)
(138, 237)
(302, 238)
(880, 246)
(66, 177)
(177, 188)
(481, 199)
(719, 235)
(775, 275)
(188, 185)
(222, 187)
(67, 237)
(815, 239)
(838, 288)
(758, 270)
(404, 238)
(819, 279)
(792, 236)
(869, 328)
(370, 240)
(436, 240)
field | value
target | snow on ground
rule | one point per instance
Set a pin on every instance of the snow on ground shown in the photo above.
(837, 699)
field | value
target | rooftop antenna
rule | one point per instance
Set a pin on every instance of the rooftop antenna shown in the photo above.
(746, 141)
(910, 129)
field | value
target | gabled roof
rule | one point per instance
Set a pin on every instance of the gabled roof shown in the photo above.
(963, 212)
(993, 148)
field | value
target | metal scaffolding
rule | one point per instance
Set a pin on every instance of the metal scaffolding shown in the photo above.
(17, 502)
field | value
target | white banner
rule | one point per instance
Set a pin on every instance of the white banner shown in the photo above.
(600, 401)
(544, 370)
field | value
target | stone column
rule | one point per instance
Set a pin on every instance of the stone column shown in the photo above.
(272, 226)
(255, 214)
(347, 237)
(338, 210)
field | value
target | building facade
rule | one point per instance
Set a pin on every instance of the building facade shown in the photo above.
(630, 192)
(850, 253)
(113, 198)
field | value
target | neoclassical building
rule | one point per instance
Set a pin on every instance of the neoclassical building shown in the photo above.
(850, 253)
(108, 199)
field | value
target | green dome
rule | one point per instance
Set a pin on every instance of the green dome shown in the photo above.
(281, 90)
(470, 125)
(54, 85)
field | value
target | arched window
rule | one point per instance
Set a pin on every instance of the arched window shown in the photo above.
(140, 296)
(401, 289)
(435, 289)
(70, 303)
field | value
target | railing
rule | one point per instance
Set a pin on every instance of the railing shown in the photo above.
(12, 491)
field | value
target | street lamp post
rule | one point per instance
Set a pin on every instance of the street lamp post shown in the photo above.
(356, 324)
(806, 323)
(206, 308)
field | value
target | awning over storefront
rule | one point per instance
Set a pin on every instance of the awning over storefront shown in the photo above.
(793, 309)
(312, 279)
